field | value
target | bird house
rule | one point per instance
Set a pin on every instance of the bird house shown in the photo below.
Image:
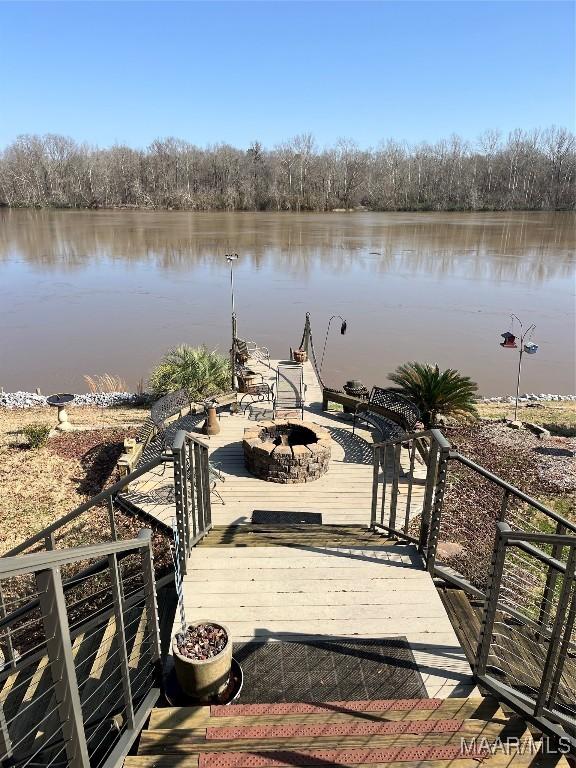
(531, 348)
(509, 340)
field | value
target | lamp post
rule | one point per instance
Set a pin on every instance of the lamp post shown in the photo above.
(343, 328)
(528, 347)
(231, 258)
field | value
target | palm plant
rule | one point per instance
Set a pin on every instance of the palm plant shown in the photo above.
(202, 373)
(434, 391)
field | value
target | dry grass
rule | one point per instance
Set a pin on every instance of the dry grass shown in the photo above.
(105, 382)
(40, 486)
(558, 417)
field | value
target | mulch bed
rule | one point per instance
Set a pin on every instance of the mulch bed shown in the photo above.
(544, 469)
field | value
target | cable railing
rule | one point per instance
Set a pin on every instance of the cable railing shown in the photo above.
(77, 693)
(481, 534)
(192, 486)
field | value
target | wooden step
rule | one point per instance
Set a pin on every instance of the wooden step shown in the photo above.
(265, 535)
(181, 741)
(331, 712)
(498, 760)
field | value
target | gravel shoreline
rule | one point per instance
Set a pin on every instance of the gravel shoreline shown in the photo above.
(110, 399)
(13, 400)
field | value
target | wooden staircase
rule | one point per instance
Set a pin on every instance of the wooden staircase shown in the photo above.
(409, 732)
(297, 535)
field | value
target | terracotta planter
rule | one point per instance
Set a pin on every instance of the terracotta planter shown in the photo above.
(203, 679)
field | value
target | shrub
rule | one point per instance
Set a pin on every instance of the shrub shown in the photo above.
(436, 392)
(200, 372)
(36, 434)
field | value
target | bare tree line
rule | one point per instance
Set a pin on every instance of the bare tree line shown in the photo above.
(525, 171)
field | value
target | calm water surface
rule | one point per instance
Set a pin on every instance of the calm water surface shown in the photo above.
(90, 292)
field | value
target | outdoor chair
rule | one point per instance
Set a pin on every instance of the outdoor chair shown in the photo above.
(249, 350)
(258, 393)
(290, 390)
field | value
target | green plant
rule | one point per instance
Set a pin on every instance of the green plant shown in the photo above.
(197, 370)
(436, 392)
(36, 434)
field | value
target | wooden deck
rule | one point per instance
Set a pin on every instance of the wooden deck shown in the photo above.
(337, 580)
(365, 587)
(343, 495)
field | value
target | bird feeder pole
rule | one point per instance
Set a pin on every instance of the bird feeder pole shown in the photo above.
(511, 345)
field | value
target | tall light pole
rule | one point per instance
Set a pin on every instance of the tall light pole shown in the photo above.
(528, 347)
(342, 331)
(231, 258)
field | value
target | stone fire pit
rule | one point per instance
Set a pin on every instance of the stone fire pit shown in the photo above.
(287, 451)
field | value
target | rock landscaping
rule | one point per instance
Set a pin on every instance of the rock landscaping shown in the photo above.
(99, 399)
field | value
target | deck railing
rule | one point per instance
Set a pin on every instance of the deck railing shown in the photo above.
(528, 659)
(514, 553)
(192, 480)
(78, 684)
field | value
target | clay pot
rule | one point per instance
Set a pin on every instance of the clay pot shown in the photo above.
(203, 679)
(299, 356)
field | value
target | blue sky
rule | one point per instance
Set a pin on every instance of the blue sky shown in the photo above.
(238, 71)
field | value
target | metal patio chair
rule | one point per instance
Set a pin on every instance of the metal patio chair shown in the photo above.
(290, 390)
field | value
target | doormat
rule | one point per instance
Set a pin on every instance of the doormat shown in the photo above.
(332, 670)
(269, 517)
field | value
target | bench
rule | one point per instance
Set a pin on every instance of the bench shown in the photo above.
(382, 404)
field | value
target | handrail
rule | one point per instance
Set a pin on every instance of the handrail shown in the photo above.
(18, 566)
(182, 435)
(94, 501)
(512, 489)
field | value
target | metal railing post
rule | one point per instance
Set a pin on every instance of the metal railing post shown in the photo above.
(59, 651)
(384, 482)
(394, 492)
(199, 488)
(192, 479)
(563, 655)
(437, 504)
(150, 595)
(180, 499)
(118, 603)
(551, 580)
(206, 487)
(552, 657)
(491, 601)
(428, 496)
(375, 474)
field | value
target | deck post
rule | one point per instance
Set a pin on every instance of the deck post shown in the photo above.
(120, 632)
(180, 498)
(428, 496)
(62, 669)
(375, 474)
(437, 504)
(551, 580)
(491, 601)
(549, 673)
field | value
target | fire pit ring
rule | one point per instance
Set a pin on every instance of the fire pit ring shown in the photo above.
(287, 451)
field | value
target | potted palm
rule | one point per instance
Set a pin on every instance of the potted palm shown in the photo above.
(203, 659)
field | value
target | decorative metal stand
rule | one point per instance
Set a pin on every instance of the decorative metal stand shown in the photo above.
(526, 345)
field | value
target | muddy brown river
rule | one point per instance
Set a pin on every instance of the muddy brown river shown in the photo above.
(88, 292)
